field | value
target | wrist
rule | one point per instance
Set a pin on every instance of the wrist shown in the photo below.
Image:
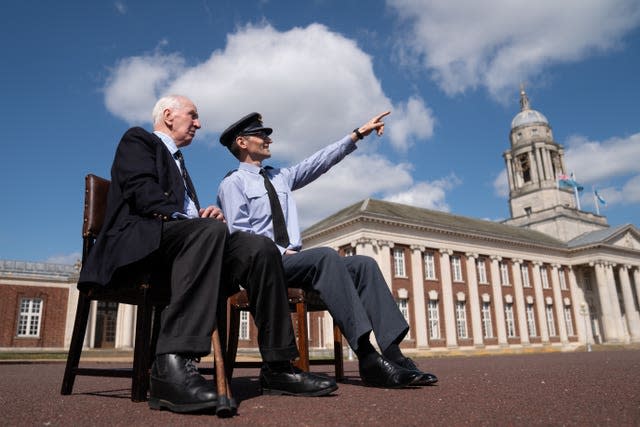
(358, 134)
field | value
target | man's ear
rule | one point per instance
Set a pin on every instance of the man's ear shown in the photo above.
(167, 116)
(241, 142)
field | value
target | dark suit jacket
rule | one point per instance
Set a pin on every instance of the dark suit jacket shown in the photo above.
(146, 189)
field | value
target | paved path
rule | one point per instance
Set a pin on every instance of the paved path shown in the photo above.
(579, 389)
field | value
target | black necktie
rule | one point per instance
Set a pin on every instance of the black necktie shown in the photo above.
(280, 234)
(191, 191)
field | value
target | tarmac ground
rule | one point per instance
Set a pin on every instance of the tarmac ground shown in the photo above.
(550, 388)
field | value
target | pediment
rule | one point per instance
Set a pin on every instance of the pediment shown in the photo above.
(628, 239)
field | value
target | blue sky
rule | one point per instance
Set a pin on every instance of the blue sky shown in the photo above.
(76, 74)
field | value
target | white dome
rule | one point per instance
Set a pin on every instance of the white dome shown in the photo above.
(528, 117)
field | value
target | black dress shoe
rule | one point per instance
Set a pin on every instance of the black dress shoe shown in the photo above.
(380, 372)
(294, 382)
(177, 385)
(423, 378)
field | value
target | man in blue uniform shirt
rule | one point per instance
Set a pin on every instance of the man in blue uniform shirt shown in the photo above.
(258, 200)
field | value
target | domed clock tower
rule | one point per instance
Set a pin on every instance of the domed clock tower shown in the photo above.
(534, 163)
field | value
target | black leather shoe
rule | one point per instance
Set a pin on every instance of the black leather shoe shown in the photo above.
(424, 378)
(380, 372)
(176, 385)
(294, 382)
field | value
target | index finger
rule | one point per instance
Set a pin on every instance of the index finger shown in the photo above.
(381, 115)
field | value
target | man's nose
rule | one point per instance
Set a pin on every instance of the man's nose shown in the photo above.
(196, 123)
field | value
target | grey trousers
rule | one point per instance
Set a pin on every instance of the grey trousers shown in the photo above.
(354, 291)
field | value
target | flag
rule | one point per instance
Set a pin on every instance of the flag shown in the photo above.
(600, 199)
(568, 182)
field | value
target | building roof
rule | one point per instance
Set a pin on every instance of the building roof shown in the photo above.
(598, 236)
(396, 212)
(38, 270)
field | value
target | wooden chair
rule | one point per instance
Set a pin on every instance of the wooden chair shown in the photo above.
(134, 289)
(301, 302)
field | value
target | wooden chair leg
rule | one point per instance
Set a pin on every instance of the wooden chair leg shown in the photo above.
(226, 406)
(141, 353)
(337, 352)
(77, 341)
(232, 340)
(303, 343)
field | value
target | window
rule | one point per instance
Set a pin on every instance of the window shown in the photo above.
(551, 324)
(504, 274)
(243, 333)
(429, 266)
(487, 327)
(482, 270)
(29, 318)
(569, 321)
(545, 277)
(403, 306)
(509, 320)
(531, 321)
(456, 266)
(434, 320)
(527, 210)
(586, 279)
(524, 269)
(398, 262)
(461, 319)
(348, 252)
(563, 282)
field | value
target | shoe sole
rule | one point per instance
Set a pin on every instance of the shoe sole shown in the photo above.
(317, 393)
(155, 403)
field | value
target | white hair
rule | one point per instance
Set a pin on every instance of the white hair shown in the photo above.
(172, 102)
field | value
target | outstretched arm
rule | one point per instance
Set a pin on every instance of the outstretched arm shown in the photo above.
(375, 124)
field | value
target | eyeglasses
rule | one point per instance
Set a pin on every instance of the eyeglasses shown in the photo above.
(259, 134)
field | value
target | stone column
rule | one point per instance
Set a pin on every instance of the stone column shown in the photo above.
(542, 316)
(636, 280)
(558, 303)
(609, 321)
(519, 294)
(385, 261)
(419, 309)
(633, 319)
(577, 299)
(126, 326)
(507, 159)
(90, 336)
(615, 301)
(447, 298)
(497, 300)
(474, 299)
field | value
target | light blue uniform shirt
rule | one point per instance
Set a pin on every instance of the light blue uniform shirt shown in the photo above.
(189, 205)
(245, 203)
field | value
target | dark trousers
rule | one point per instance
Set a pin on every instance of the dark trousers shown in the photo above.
(354, 291)
(206, 264)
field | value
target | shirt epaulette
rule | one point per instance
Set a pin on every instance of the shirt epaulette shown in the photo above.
(230, 172)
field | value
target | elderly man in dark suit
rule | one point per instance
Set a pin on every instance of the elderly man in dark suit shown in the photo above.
(153, 220)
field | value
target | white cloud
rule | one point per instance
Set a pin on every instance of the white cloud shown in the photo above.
(121, 7)
(310, 84)
(68, 259)
(357, 177)
(499, 43)
(135, 83)
(501, 185)
(414, 118)
(595, 161)
(430, 195)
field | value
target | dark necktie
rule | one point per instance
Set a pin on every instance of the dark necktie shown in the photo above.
(280, 234)
(191, 191)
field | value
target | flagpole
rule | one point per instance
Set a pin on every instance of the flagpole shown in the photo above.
(595, 200)
(575, 191)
